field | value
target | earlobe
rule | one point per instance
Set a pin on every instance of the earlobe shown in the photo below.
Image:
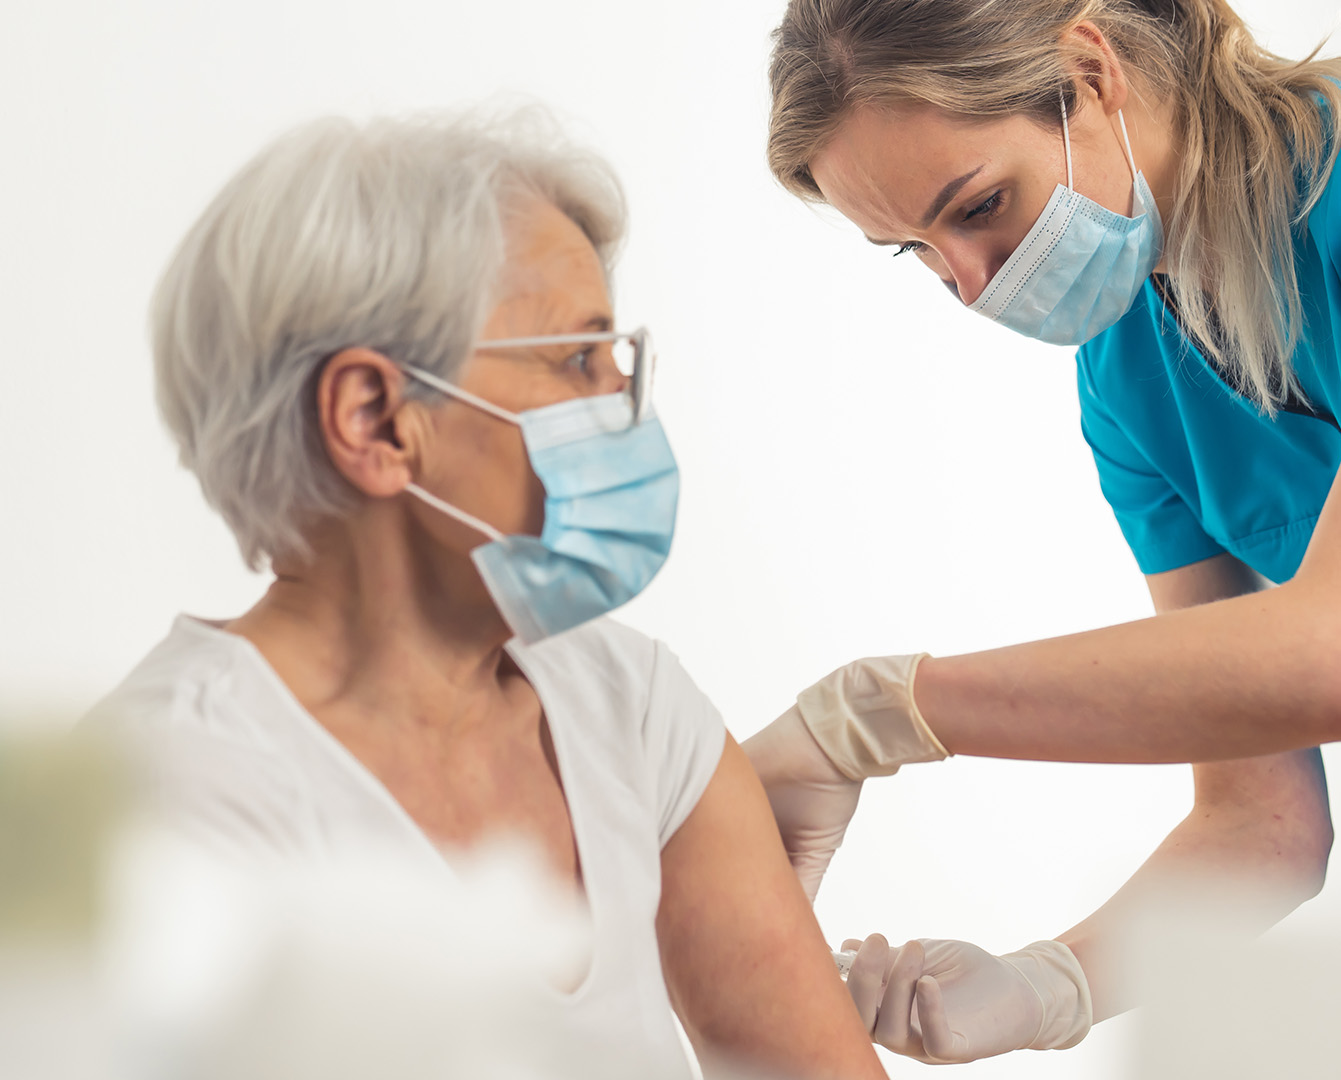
(359, 395)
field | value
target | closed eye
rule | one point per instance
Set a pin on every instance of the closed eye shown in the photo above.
(903, 249)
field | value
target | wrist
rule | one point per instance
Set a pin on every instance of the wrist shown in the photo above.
(864, 717)
(932, 689)
(1055, 975)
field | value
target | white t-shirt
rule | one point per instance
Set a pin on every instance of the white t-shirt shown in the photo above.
(636, 742)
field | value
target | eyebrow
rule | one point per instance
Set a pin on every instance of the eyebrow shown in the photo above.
(947, 193)
(939, 203)
(600, 323)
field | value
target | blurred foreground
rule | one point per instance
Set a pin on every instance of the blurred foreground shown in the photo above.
(128, 952)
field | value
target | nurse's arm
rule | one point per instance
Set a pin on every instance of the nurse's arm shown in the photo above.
(1254, 674)
(728, 896)
(1253, 847)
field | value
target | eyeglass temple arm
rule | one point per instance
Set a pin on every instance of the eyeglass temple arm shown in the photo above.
(558, 339)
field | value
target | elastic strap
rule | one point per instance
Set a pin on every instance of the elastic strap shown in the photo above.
(1066, 138)
(1131, 160)
(451, 511)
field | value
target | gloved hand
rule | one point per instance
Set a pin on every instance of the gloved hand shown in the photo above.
(865, 719)
(859, 721)
(812, 801)
(945, 1002)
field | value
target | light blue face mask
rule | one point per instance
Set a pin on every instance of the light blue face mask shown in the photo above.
(611, 489)
(1081, 267)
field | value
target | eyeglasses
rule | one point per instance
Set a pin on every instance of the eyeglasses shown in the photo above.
(632, 351)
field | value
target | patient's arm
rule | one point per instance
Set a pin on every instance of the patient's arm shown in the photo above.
(748, 970)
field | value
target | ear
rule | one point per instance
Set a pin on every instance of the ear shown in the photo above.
(363, 417)
(1098, 74)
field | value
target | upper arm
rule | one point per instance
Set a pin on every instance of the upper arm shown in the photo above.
(1202, 582)
(1319, 574)
(1278, 800)
(747, 968)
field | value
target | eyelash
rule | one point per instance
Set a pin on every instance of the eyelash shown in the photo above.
(987, 209)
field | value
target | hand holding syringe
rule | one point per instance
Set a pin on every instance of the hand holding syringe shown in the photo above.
(844, 961)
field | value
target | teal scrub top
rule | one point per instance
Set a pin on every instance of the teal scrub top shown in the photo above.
(1192, 469)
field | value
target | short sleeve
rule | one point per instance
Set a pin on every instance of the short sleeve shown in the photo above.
(1162, 531)
(683, 738)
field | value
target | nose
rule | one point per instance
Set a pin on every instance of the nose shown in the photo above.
(968, 280)
(965, 271)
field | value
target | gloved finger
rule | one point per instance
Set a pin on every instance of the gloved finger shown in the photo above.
(776, 749)
(866, 980)
(809, 867)
(894, 1028)
(938, 1040)
(851, 944)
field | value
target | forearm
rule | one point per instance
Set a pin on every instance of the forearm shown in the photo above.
(1225, 871)
(1245, 676)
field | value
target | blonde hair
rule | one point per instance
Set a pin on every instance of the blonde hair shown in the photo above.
(1257, 147)
(388, 234)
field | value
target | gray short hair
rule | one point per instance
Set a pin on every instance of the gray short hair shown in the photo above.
(388, 234)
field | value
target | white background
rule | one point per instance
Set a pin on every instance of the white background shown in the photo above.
(866, 467)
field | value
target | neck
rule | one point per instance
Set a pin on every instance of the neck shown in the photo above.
(380, 617)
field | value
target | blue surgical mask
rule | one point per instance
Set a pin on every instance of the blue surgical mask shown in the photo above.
(611, 489)
(1081, 267)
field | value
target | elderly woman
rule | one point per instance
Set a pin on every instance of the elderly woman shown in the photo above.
(387, 353)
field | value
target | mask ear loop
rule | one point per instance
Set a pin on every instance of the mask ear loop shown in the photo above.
(447, 508)
(469, 520)
(1066, 138)
(1131, 160)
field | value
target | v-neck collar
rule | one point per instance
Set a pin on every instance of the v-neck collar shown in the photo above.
(359, 773)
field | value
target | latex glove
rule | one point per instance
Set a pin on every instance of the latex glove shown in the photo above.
(856, 722)
(947, 1002)
(812, 801)
(865, 719)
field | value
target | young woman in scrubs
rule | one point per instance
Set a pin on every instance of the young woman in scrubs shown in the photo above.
(1142, 180)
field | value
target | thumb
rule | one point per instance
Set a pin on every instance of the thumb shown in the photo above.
(938, 1040)
(810, 867)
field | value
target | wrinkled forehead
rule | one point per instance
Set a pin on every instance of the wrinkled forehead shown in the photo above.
(551, 271)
